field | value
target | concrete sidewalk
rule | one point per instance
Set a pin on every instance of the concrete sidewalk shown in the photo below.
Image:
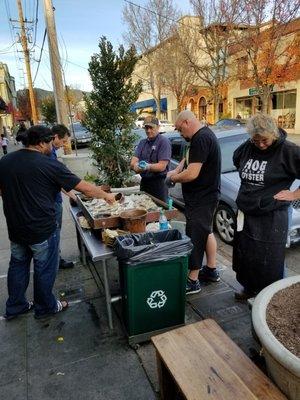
(74, 355)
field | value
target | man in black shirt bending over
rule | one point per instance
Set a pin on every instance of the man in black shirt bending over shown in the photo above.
(199, 172)
(29, 182)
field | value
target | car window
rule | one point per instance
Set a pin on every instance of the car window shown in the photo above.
(177, 149)
(228, 145)
(78, 127)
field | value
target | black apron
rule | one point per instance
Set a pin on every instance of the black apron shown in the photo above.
(155, 186)
(259, 250)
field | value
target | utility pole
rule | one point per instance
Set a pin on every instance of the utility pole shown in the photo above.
(56, 69)
(27, 63)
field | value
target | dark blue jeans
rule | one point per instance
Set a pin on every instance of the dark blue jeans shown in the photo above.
(45, 261)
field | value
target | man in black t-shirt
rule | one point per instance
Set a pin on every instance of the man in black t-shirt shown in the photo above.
(29, 182)
(199, 172)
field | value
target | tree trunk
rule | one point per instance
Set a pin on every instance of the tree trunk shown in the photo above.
(158, 109)
(216, 107)
(265, 99)
(178, 101)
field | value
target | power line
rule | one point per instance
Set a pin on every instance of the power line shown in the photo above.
(69, 62)
(35, 23)
(46, 83)
(7, 48)
(66, 51)
(155, 13)
(8, 13)
(40, 58)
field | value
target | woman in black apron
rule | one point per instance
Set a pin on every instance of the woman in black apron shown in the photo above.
(267, 164)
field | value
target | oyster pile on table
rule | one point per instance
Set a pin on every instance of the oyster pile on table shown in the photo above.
(98, 208)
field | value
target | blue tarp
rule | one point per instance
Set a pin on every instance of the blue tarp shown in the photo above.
(150, 104)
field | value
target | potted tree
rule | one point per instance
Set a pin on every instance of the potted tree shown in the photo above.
(108, 116)
(282, 364)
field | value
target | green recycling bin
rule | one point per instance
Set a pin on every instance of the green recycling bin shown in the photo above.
(153, 274)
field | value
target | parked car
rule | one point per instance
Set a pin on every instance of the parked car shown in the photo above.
(230, 122)
(225, 216)
(81, 135)
(165, 126)
(139, 122)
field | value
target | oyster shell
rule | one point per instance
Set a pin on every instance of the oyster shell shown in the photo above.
(96, 207)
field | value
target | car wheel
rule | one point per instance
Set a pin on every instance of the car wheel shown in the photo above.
(225, 221)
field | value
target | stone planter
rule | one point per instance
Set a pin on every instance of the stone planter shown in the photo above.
(283, 366)
(80, 165)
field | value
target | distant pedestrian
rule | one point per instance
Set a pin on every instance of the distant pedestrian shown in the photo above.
(238, 116)
(4, 143)
(21, 135)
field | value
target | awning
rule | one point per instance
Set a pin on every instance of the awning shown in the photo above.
(150, 103)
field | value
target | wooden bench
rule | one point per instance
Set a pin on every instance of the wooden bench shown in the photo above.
(199, 362)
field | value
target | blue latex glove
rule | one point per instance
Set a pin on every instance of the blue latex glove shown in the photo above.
(143, 165)
(169, 183)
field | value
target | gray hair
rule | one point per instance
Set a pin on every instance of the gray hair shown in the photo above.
(185, 115)
(262, 125)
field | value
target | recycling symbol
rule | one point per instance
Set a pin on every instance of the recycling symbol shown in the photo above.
(157, 299)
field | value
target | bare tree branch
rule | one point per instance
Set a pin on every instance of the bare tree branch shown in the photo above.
(148, 28)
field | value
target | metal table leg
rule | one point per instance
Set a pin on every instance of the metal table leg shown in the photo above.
(107, 294)
(82, 251)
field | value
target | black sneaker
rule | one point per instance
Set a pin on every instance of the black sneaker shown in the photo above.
(63, 264)
(192, 286)
(207, 274)
(9, 317)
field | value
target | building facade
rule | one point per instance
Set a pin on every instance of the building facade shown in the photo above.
(9, 95)
(283, 78)
(239, 98)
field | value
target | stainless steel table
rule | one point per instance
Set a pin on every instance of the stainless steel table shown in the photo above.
(99, 254)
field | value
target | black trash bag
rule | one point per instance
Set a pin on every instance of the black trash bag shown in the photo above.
(152, 246)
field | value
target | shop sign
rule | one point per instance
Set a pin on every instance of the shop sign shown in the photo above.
(256, 91)
(253, 91)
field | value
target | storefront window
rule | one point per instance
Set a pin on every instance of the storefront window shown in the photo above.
(244, 107)
(277, 101)
(290, 100)
(284, 108)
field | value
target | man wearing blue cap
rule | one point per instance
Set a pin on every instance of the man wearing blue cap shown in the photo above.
(151, 160)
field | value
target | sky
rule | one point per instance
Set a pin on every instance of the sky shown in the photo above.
(79, 25)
